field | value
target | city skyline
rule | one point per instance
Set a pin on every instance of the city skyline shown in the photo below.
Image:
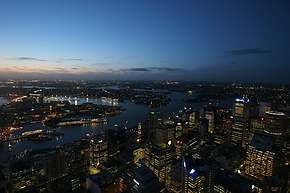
(246, 41)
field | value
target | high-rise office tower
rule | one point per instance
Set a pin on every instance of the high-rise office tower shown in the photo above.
(145, 181)
(273, 184)
(240, 127)
(225, 181)
(139, 133)
(164, 132)
(203, 129)
(151, 124)
(178, 130)
(194, 183)
(159, 160)
(163, 135)
(193, 119)
(263, 108)
(159, 150)
(138, 154)
(138, 179)
(195, 175)
(275, 123)
(261, 159)
(209, 115)
(98, 150)
(177, 177)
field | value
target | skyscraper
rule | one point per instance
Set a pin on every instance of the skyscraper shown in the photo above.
(98, 150)
(276, 125)
(196, 176)
(151, 124)
(229, 182)
(193, 119)
(194, 182)
(159, 160)
(139, 133)
(239, 133)
(209, 115)
(261, 158)
(203, 129)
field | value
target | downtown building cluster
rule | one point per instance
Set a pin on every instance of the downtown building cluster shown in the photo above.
(209, 149)
(217, 150)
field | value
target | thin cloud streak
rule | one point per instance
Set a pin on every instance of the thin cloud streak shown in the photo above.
(249, 51)
(150, 69)
(168, 69)
(134, 70)
(25, 58)
(74, 59)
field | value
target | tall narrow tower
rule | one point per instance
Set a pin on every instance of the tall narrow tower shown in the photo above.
(240, 127)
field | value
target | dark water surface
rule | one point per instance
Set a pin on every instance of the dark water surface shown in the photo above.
(134, 114)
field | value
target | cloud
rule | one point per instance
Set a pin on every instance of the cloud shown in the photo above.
(64, 60)
(135, 70)
(249, 51)
(75, 59)
(168, 69)
(75, 68)
(151, 69)
(24, 58)
(100, 64)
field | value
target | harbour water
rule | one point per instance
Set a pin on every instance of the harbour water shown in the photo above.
(134, 114)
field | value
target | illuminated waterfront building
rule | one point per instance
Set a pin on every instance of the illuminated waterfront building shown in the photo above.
(239, 133)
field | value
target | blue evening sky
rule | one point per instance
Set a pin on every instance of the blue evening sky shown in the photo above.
(225, 40)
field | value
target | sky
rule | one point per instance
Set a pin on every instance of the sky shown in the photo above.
(199, 40)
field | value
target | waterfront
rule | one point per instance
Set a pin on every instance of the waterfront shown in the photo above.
(133, 114)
